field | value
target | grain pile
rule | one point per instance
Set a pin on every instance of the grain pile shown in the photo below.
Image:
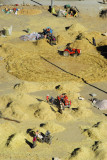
(29, 12)
(23, 65)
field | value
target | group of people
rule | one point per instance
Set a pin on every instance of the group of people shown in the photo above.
(47, 34)
(61, 102)
(68, 11)
(41, 137)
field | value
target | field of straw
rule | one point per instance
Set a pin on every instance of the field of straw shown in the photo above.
(77, 134)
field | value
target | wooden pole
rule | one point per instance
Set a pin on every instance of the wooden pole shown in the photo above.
(52, 3)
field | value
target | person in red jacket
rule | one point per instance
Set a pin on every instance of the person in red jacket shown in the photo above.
(47, 98)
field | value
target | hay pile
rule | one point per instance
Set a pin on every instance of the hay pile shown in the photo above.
(103, 43)
(97, 131)
(38, 115)
(82, 153)
(24, 65)
(76, 27)
(84, 45)
(81, 109)
(29, 12)
(44, 112)
(18, 106)
(15, 140)
(53, 127)
(30, 66)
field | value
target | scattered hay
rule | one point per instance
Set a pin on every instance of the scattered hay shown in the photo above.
(53, 127)
(64, 117)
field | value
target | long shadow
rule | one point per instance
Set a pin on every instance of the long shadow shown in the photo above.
(60, 52)
(52, 109)
(40, 100)
(37, 2)
(105, 114)
(25, 31)
(74, 75)
(8, 119)
(29, 143)
(68, 27)
(103, 50)
(101, 2)
(9, 139)
(30, 132)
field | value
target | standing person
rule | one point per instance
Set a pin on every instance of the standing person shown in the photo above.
(47, 98)
(35, 139)
(94, 42)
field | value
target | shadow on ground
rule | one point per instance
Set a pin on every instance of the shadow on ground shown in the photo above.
(103, 50)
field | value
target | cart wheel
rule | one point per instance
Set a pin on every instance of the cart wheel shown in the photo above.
(75, 54)
(65, 54)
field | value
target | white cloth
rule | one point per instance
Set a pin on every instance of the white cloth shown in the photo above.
(30, 37)
(40, 136)
(101, 104)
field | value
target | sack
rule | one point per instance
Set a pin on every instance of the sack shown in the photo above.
(7, 31)
(53, 11)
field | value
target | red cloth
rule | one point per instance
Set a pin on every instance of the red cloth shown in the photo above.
(66, 102)
(34, 139)
(47, 98)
